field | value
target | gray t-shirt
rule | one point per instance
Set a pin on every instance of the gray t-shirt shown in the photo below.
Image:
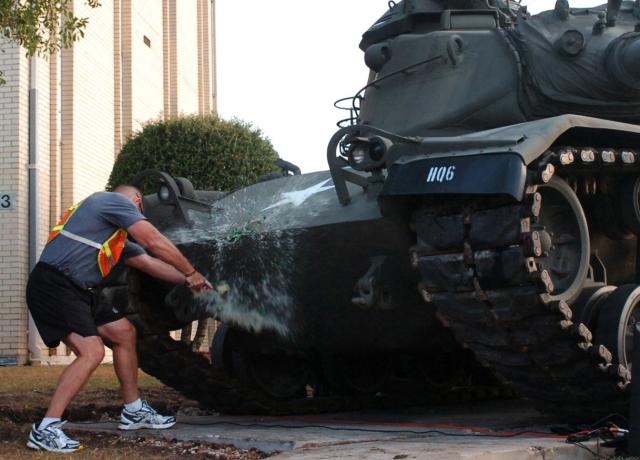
(97, 218)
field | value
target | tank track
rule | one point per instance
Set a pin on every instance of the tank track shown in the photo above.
(192, 374)
(478, 267)
(176, 365)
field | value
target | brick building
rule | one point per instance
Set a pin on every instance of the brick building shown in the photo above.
(63, 122)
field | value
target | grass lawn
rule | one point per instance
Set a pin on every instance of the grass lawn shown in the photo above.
(44, 378)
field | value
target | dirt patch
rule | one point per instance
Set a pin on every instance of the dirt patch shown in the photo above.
(103, 404)
(25, 395)
(13, 438)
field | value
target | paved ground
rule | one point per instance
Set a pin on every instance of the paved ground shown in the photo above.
(480, 431)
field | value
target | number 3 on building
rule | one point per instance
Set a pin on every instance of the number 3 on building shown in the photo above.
(5, 201)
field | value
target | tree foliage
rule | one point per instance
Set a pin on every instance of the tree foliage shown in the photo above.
(215, 154)
(37, 25)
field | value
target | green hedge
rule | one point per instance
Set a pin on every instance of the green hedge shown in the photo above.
(213, 153)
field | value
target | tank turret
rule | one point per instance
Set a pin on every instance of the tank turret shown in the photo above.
(623, 60)
(482, 64)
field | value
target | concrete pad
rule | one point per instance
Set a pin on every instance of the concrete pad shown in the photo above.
(431, 448)
(477, 431)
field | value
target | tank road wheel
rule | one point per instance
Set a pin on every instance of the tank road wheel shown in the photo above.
(277, 373)
(357, 374)
(586, 308)
(443, 370)
(280, 376)
(618, 317)
(564, 234)
(221, 354)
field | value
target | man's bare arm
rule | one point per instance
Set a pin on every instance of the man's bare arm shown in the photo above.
(150, 238)
(160, 246)
(156, 268)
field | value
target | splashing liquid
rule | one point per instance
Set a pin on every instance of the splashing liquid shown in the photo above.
(257, 264)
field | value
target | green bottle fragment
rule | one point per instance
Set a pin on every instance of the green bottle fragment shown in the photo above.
(222, 287)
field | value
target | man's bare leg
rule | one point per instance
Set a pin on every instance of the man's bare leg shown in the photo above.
(89, 354)
(122, 334)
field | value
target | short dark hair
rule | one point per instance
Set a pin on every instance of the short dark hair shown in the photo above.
(127, 188)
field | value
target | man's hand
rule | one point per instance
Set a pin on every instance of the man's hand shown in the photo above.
(162, 270)
(198, 283)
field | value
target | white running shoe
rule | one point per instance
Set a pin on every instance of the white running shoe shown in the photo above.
(52, 438)
(146, 417)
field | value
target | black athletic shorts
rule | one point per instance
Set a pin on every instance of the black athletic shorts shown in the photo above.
(59, 307)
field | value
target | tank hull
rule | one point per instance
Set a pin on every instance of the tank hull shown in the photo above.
(320, 297)
(303, 283)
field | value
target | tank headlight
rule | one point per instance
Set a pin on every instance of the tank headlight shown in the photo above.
(164, 194)
(358, 154)
(368, 153)
(378, 149)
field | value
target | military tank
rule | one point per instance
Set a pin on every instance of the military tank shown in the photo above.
(481, 206)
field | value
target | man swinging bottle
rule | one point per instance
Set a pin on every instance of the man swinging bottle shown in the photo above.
(87, 244)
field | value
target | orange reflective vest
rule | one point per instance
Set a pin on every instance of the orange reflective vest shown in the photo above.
(109, 251)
